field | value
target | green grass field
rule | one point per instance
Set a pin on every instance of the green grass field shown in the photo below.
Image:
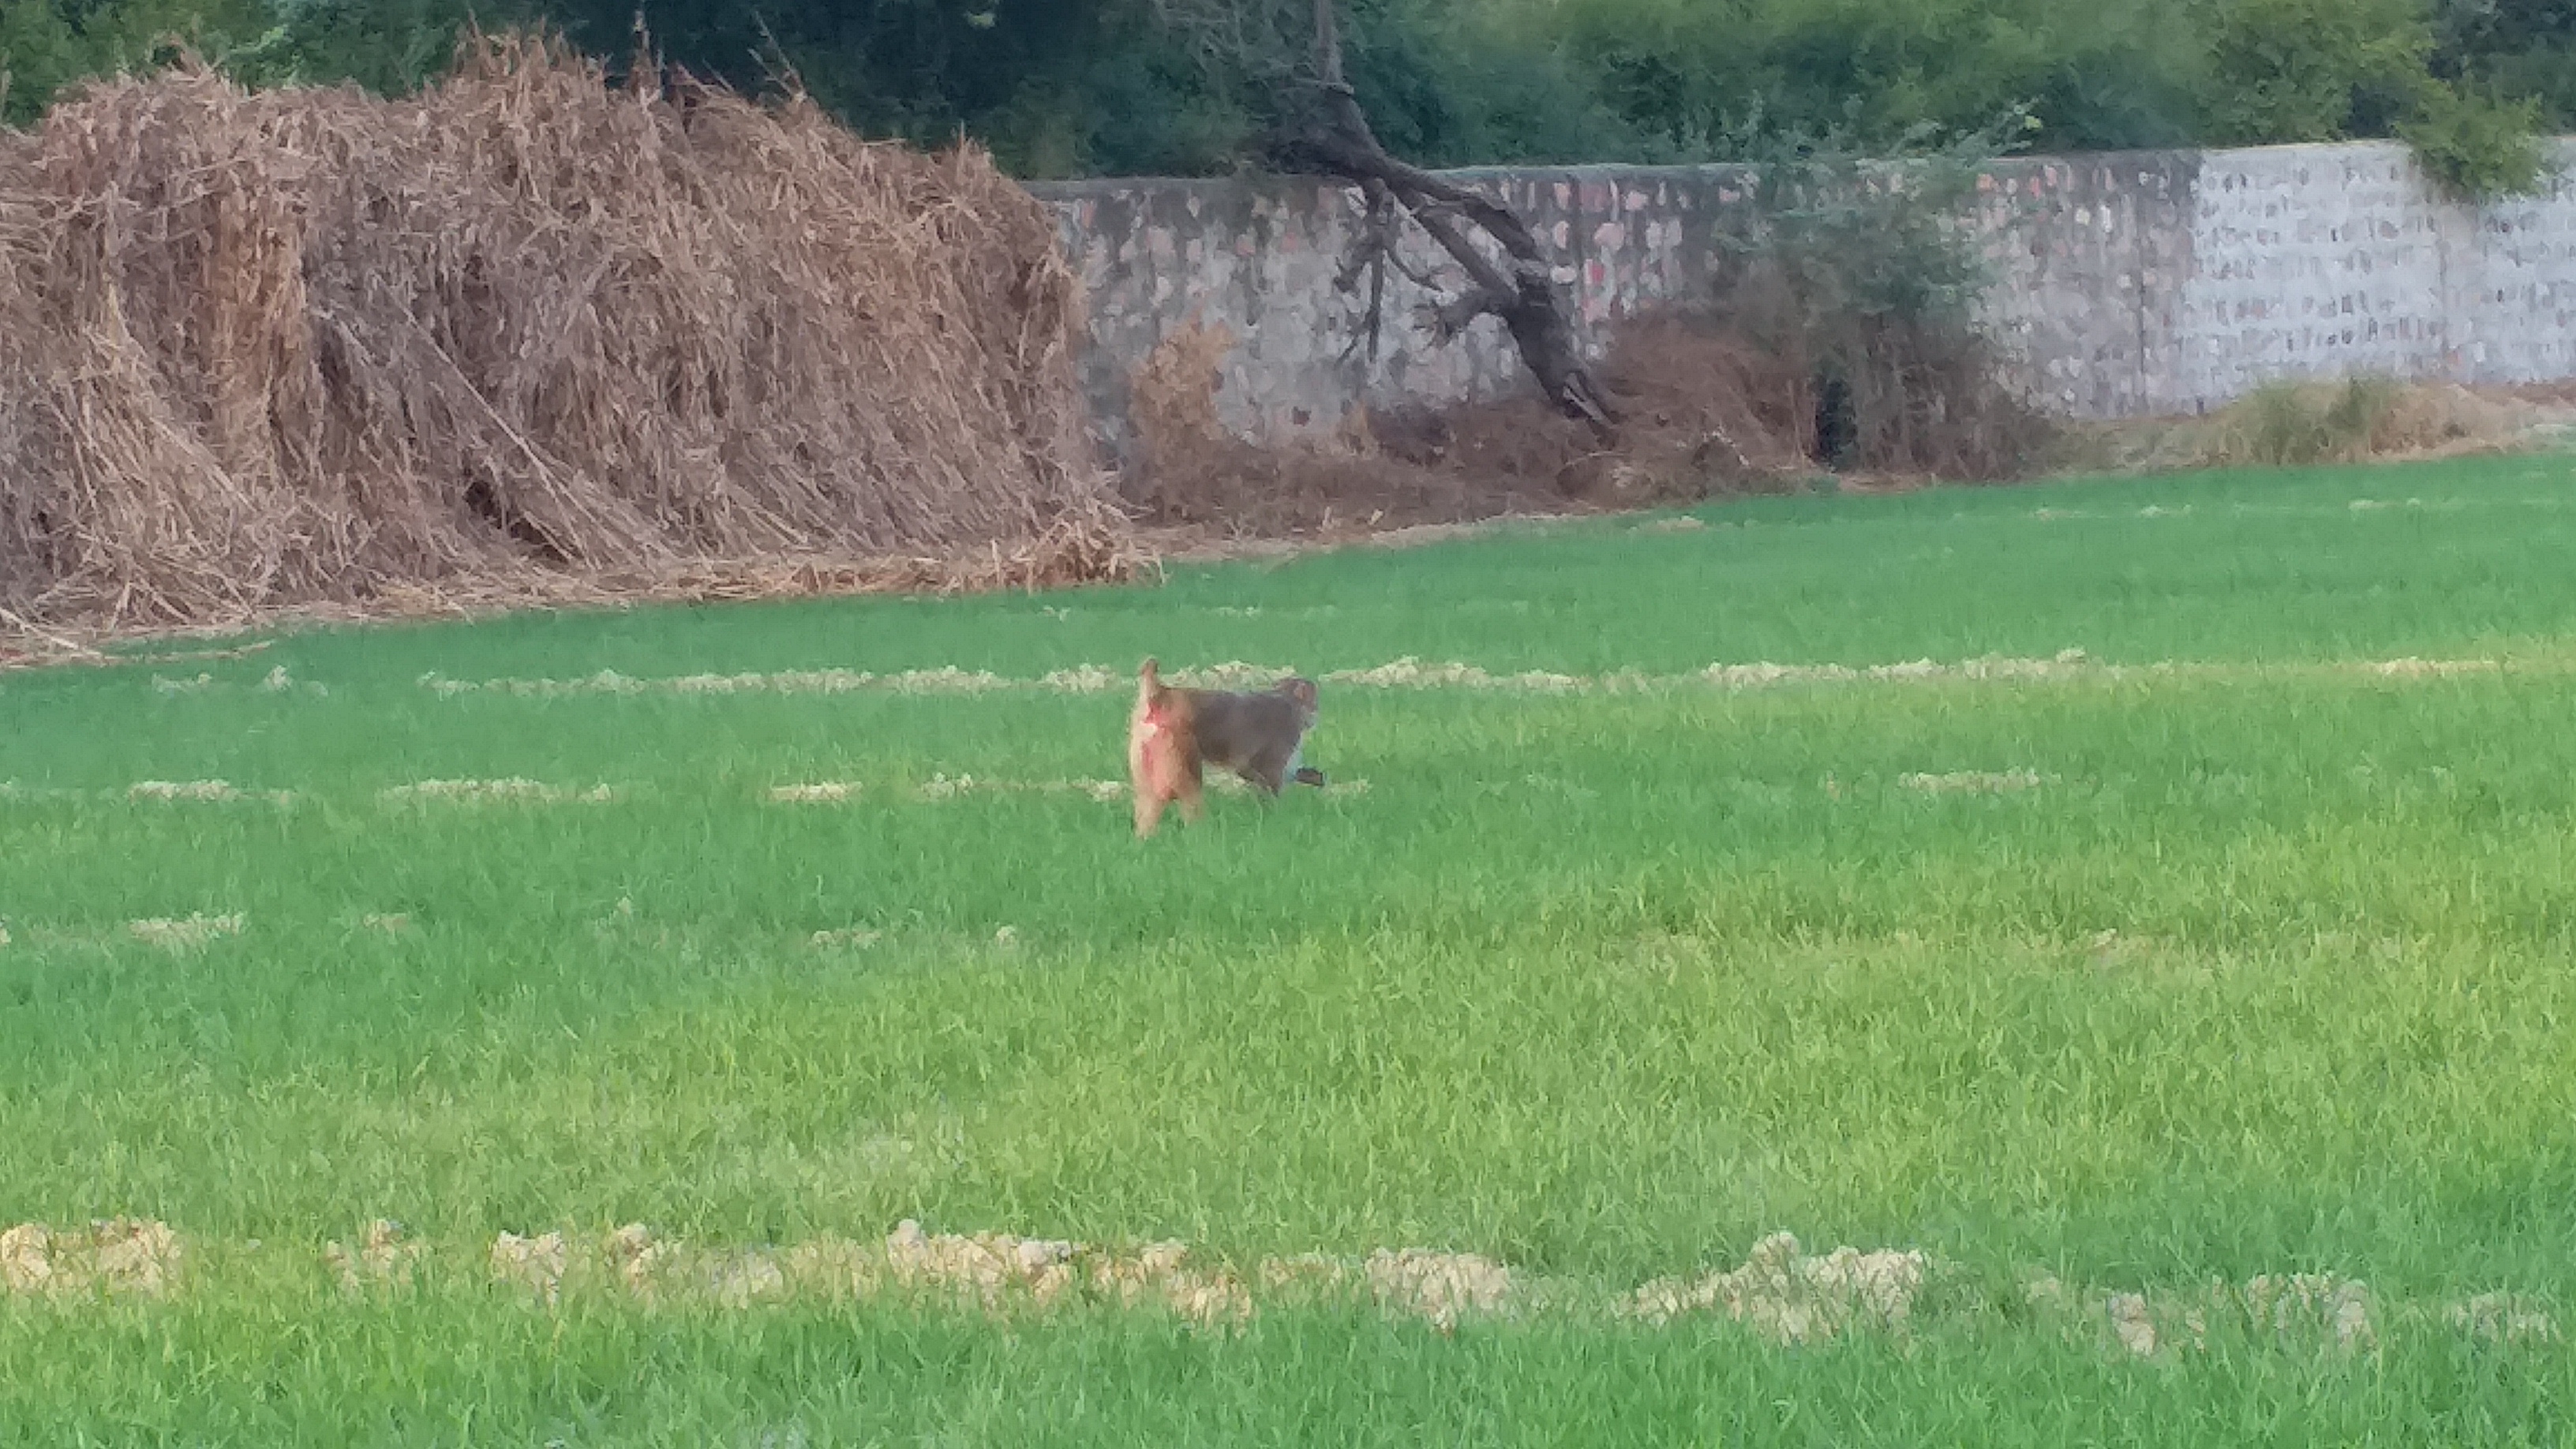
(2242, 944)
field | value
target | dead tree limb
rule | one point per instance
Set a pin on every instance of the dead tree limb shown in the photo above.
(1329, 134)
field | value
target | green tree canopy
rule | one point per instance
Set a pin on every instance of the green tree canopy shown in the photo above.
(1064, 87)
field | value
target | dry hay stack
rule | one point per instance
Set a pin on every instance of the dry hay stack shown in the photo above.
(309, 346)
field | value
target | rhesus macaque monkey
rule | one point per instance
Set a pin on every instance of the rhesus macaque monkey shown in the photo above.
(1174, 733)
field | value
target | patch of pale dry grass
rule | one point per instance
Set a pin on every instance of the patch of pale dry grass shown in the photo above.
(536, 1264)
(215, 790)
(191, 932)
(944, 787)
(981, 1265)
(120, 1255)
(2066, 663)
(1088, 679)
(1167, 1272)
(1973, 782)
(851, 938)
(819, 792)
(947, 679)
(513, 789)
(950, 787)
(2432, 668)
(1437, 1286)
(1409, 673)
(1778, 1291)
(206, 792)
(1795, 1298)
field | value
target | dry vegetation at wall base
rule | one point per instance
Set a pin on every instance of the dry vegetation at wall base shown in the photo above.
(1715, 414)
(522, 333)
(1706, 419)
(2291, 423)
(2084, 963)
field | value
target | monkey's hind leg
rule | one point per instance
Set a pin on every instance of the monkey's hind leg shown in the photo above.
(1263, 776)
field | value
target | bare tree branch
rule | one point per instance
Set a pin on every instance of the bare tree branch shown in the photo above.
(1331, 134)
(1319, 127)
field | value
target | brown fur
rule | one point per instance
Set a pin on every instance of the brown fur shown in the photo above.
(1173, 734)
(1162, 751)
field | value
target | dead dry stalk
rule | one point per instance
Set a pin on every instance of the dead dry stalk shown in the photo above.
(523, 331)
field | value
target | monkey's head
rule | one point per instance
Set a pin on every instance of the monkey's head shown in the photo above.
(1301, 690)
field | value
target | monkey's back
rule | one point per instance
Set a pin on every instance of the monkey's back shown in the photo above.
(1234, 729)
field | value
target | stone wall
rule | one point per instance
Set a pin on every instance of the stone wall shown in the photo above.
(2129, 283)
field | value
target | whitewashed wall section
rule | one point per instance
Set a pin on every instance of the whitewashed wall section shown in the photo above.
(2127, 284)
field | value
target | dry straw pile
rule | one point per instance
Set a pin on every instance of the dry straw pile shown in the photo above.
(524, 333)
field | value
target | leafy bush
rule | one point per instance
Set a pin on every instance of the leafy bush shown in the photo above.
(46, 45)
(2477, 145)
(2309, 70)
(1863, 278)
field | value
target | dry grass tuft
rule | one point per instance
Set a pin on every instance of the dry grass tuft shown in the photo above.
(189, 933)
(1972, 782)
(535, 1264)
(513, 788)
(382, 1259)
(1795, 1298)
(2291, 422)
(209, 790)
(2412, 668)
(1706, 416)
(820, 792)
(122, 1255)
(520, 337)
(1438, 1286)
(984, 1266)
(1169, 1273)
(857, 938)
